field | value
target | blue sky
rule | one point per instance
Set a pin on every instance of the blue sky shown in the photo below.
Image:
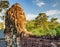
(33, 7)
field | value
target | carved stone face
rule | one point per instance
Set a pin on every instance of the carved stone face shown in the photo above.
(17, 18)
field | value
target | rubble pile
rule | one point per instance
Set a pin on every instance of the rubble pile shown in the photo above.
(41, 41)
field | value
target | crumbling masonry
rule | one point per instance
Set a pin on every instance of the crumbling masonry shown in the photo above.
(15, 26)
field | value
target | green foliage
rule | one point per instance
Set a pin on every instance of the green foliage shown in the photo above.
(3, 5)
(40, 26)
(57, 31)
(30, 25)
(1, 26)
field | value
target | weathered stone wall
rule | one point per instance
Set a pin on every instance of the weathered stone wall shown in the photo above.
(41, 41)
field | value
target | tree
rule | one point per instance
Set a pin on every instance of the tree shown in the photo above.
(40, 26)
(4, 5)
(53, 23)
(41, 21)
(30, 25)
(53, 19)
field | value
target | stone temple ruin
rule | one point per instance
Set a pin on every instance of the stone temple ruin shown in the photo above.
(15, 25)
(16, 34)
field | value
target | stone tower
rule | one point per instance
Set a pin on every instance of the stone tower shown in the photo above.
(15, 25)
(16, 18)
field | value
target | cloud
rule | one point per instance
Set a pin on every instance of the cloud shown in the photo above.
(54, 5)
(2, 14)
(39, 3)
(52, 12)
(1, 20)
(30, 16)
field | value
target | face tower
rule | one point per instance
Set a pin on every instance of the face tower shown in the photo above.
(15, 24)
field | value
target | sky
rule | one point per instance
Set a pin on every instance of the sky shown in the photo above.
(1, 34)
(33, 7)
